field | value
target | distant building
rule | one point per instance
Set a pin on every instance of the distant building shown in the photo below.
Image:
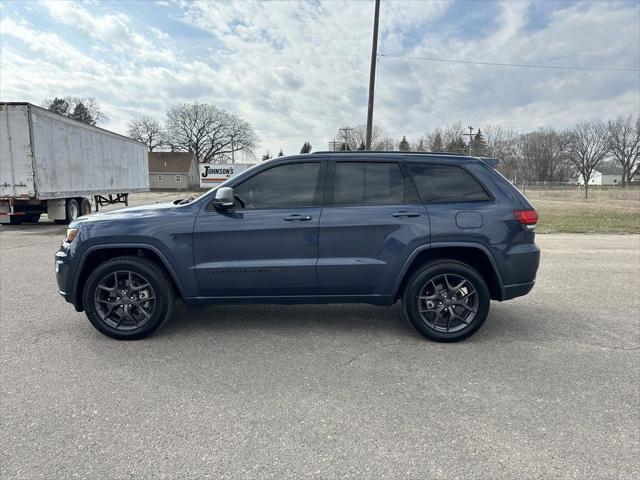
(603, 176)
(173, 171)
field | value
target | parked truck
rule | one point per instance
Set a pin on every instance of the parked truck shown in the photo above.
(56, 165)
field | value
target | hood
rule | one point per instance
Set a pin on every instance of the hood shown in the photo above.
(139, 211)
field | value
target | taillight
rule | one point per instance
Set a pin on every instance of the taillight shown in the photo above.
(529, 218)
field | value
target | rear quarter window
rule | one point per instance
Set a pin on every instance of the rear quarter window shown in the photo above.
(446, 183)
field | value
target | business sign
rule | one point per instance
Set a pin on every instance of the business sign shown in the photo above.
(214, 174)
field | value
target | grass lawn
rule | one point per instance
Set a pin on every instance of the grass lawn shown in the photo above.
(606, 211)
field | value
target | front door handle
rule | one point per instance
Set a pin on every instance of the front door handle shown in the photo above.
(298, 218)
(406, 214)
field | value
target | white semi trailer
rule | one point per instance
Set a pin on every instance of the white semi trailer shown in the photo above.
(55, 165)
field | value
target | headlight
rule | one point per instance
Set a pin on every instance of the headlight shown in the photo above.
(71, 234)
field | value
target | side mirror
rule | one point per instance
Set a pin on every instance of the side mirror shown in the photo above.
(224, 198)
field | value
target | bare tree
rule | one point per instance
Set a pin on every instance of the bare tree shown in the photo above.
(587, 148)
(385, 143)
(545, 153)
(505, 146)
(234, 136)
(422, 145)
(453, 138)
(212, 134)
(147, 130)
(352, 138)
(623, 142)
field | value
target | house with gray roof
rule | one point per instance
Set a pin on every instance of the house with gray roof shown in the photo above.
(173, 171)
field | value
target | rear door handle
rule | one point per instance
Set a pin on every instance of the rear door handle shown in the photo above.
(298, 218)
(405, 214)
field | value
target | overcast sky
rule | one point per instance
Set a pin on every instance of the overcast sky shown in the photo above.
(299, 70)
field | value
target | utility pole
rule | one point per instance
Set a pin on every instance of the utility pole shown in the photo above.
(372, 74)
(470, 134)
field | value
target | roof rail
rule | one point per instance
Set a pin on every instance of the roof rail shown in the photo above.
(396, 152)
(492, 162)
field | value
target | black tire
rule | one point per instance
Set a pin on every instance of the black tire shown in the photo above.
(32, 217)
(440, 313)
(161, 289)
(61, 222)
(72, 209)
(85, 206)
(16, 219)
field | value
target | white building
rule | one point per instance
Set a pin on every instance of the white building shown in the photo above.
(603, 176)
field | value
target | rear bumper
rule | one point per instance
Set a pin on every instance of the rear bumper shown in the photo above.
(519, 268)
(517, 290)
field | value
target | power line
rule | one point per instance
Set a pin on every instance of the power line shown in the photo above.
(522, 65)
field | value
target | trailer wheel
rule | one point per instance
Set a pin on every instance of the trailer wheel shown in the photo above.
(72, 211)
(32, 217)
(85, 206)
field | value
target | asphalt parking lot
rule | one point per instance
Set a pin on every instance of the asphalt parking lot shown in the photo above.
(549, 388)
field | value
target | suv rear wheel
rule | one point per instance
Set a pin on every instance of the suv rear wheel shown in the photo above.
(446, 301)
(128, 298)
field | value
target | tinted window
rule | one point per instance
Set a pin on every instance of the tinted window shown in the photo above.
(446, 183)
(292, 185)
(368, 184)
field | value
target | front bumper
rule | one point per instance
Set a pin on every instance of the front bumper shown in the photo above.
(62, 274)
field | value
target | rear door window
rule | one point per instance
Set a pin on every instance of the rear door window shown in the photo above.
(446, 183)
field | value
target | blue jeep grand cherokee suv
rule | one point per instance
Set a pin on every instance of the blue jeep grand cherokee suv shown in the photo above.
(444, 234)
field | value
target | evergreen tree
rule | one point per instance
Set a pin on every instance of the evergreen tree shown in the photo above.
(362, 146)
(404, 146)
(60, 106)
(306, 148)
(84, 109)
(266, 156)
(280, 154)
(437, 145)
(344, 146)
(478, 145)
(81, 114)
(420, 146)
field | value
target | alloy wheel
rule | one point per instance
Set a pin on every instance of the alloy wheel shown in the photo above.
(448, 302)
(124, 300)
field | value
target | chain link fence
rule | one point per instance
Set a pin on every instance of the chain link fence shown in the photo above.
(560, 190)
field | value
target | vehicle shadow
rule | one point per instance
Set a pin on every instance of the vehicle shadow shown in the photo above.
(301, 320)
(290, 319)
(40, 228)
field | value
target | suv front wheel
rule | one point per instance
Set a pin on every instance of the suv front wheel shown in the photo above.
(446, 301)
(128, 298)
